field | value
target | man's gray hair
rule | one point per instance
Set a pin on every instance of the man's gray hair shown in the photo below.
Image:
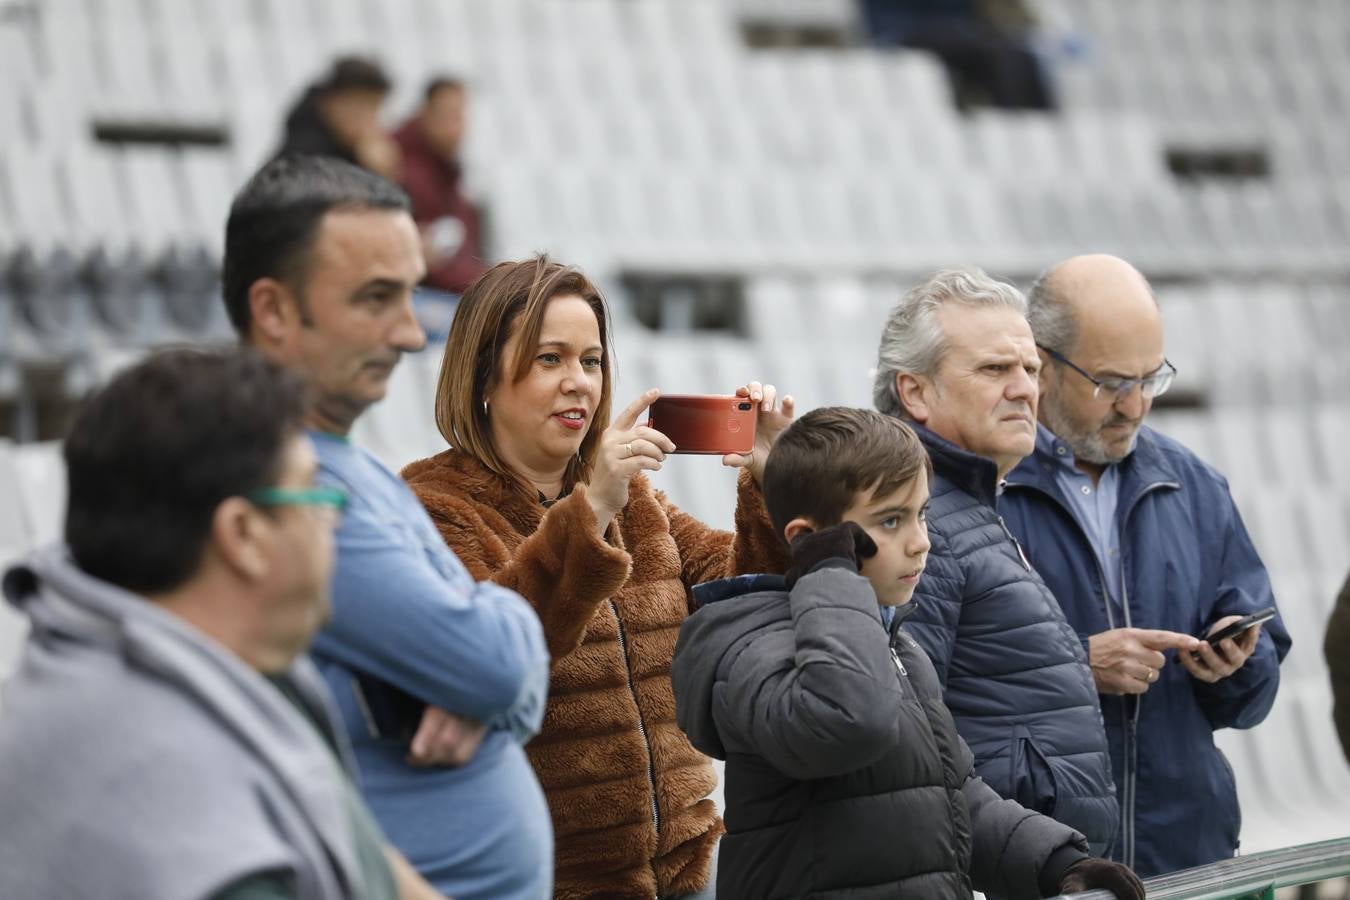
(1051, 320)
(912, 341)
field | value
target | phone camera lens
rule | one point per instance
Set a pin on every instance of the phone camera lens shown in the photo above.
(743, 406)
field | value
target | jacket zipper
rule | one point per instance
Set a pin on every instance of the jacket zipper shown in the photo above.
(642, 728)
(1021, 554)
(1131, 715)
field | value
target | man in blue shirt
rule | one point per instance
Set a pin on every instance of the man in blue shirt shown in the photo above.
(1144, 549)
(439, 680)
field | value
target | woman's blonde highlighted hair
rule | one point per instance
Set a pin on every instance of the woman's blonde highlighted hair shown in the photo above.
(510, 298)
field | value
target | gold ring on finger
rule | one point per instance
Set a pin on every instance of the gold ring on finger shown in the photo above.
(629, 445)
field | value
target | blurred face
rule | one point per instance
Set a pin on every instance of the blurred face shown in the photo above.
(352, 114)
(983, 396)
(443, 121)
(539, 422)
(354, 317)
(1101, 430)
(898, 523)
(301, 555)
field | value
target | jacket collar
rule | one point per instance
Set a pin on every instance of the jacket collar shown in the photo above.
(735, 586)
(973, 474)
(1147, 467)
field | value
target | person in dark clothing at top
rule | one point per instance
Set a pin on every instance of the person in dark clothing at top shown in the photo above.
(431, 174)
(845, 775)
(340, 116)
(982, 43)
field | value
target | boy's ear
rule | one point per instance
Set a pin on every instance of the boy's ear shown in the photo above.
(797, 527)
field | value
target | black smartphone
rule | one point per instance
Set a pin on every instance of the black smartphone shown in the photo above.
(1241, 625)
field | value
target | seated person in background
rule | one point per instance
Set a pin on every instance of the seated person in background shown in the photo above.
(983, 43)
(340, 116)
(543, 494)
(431, 174)
(844, 769)
(164, 737)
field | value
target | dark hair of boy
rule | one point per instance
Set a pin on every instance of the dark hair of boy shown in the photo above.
(275, 219)
(820, 464)
(154, 452)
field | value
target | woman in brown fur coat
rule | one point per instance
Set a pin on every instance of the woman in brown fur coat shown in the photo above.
(539, 495)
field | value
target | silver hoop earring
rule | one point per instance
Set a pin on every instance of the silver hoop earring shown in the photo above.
(485, 409)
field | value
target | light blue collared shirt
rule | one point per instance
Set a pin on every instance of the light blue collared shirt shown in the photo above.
(1093, 506)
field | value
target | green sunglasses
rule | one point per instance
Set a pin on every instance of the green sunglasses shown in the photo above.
(336, 498)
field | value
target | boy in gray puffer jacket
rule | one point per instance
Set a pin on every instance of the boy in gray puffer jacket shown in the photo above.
(845, 776)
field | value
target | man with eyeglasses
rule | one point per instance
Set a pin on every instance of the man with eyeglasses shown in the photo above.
(164, 736)
(439, 680)
(1142, 545)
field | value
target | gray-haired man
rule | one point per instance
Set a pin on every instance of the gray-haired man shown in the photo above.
(957, 360)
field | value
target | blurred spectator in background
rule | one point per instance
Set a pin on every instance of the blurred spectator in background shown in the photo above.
(541, 492)
(431, 174)
(321, 259)
(1337, 650)
(164, 735)
(984, 44)
(1144, 549)
(340, 116)
(958, 361)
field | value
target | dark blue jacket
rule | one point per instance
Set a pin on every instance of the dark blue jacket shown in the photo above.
(1186, 561)
(1014, 673)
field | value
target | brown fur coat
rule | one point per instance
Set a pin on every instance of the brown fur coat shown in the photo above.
(625, 789)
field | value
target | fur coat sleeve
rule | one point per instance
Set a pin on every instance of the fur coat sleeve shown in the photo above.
(561, 566)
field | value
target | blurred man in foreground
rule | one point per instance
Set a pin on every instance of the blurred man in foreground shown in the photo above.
(164, 738)
(1146, 552)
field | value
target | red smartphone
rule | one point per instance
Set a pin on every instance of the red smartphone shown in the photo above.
(705, 423)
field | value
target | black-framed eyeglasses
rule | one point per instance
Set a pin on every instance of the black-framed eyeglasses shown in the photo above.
(1120, 388)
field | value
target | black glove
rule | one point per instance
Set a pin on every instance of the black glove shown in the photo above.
(1102, 874)
(846, 544)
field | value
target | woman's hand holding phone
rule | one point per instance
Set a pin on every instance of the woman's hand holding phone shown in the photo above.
(626, 448)
(773, 418)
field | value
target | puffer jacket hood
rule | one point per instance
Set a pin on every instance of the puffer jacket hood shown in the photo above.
(727, 614)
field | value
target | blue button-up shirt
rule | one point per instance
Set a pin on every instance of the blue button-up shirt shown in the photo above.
(1093, 505)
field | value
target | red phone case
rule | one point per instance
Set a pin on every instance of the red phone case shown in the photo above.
(705, 423)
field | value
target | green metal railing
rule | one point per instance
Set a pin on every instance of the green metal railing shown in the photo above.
(1255, 877)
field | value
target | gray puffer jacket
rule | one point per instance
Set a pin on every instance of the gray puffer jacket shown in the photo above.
(845, 776)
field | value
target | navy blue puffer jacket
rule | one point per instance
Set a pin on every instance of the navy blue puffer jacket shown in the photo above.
(1013, 671)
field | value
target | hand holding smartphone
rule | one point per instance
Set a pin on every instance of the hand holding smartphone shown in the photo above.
(1234, 629)
(713, 424)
